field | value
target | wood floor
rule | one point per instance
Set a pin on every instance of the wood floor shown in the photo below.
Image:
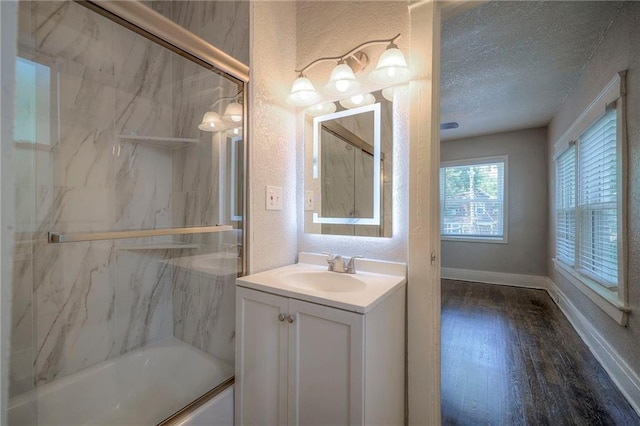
(510, 357)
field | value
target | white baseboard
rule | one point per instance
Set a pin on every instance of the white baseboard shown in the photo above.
(622, 375)
(513, 280)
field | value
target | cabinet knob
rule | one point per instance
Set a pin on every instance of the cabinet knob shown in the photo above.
(281, 317)
(291, 318)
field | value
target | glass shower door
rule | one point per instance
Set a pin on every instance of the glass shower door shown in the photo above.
(129, 223)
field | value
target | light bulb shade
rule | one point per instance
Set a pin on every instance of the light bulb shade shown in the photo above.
(233, 112)
(321, 109)
(391, 69)
(358, 100)
(302, 92)
(211, 122)
(342, 81)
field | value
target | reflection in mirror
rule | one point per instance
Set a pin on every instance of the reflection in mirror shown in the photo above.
(348, 170)
(232, 178)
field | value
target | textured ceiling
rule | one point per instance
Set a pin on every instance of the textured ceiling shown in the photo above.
(509, 65)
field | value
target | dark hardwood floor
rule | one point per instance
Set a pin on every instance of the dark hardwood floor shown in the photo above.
(510, 357)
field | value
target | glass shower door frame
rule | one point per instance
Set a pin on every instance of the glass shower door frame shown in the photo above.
(150, 24)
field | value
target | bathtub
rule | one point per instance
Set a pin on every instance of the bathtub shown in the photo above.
(139, 388)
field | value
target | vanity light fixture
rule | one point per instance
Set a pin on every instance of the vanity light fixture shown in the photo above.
(233, 112)
(392, 69)
(213, 122)
(302, 92)
(358, 100)
(342, 80)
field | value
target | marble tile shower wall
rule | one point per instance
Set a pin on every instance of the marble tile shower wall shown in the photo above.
(224, 24)
(204, 305)
(77, 304)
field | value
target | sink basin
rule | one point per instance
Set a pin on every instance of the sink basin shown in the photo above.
(330, 282)
(309, 281)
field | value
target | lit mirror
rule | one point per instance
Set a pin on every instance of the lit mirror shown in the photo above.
(348, 160)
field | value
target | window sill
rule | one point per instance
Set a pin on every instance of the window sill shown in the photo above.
(467, 239)
(603, 298)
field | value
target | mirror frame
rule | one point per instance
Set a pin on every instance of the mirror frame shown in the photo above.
(317, 129)
(233, 142)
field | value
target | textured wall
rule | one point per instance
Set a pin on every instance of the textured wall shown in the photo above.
(331, 28)
(273, 135)
(526, 251)
(423, 272)
(617, 52)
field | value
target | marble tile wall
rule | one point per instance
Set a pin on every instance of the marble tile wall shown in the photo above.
(225, 24)
(90, 301)
(204, 309)
(77, 304)
(22, 313)
(204, 303)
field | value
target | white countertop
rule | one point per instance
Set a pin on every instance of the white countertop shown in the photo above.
(378, 279)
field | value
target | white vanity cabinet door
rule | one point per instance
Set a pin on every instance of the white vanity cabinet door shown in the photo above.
(261, 358)
(326, 366)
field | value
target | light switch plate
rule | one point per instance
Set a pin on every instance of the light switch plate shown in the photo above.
(308, 200)
(274, 198)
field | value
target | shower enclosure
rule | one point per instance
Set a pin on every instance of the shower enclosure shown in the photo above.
(129, 218)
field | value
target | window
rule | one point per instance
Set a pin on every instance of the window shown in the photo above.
(565, 206)
(597, 251)
(32, 115)
(473, 201)
(589, 204)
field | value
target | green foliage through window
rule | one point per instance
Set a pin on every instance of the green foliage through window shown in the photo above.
(472, 199)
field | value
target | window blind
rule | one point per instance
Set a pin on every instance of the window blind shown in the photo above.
(565, 206)
(597, 201)
(472, 200)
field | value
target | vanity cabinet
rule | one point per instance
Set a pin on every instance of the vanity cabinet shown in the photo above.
(302, 363)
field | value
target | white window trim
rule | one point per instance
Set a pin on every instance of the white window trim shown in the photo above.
(605, 299)
(615, 304)
(473, 162)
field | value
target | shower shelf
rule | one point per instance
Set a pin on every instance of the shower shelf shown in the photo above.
(74, 237)
(159, 142)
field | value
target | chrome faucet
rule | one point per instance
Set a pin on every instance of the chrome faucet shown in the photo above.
(338, 264)
(350, 268)
(335, 262)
